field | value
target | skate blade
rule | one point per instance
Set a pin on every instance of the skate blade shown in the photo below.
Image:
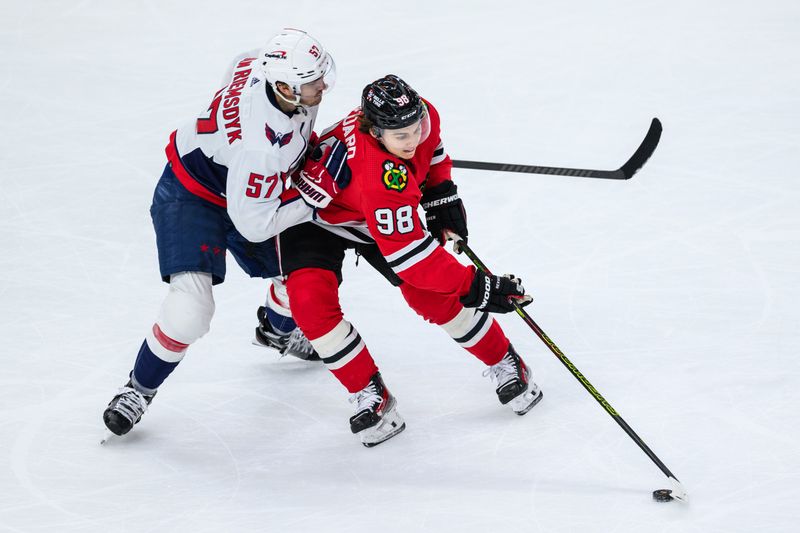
(527, 401)
(302, 356)
(256, 342)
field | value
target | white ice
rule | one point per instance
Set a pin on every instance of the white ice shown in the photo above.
(676, 293)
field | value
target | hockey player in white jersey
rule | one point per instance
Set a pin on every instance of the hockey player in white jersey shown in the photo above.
(227, 187)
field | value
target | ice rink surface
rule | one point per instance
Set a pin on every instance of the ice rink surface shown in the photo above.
(676, 293)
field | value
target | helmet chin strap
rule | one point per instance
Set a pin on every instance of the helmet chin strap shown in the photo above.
(295, 101)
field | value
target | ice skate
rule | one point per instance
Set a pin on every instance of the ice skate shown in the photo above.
(376, 419)
(294, 343)
(514, 386)
(126, 409)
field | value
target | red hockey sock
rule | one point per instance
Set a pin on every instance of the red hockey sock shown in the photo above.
(475, 331)
(314, 299)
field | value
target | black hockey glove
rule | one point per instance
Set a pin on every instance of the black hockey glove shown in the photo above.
(493, 293)
(444, 210)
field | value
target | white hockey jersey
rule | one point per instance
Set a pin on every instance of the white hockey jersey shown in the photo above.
(240, 153)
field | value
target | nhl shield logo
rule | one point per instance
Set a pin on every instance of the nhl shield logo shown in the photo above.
(395, 177)
(281, 139)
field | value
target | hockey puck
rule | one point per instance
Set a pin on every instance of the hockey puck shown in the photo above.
(662, 495)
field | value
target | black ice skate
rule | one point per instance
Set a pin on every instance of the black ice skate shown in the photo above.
(514, 386)
(376, 419)
(126, 409)
(294, 343)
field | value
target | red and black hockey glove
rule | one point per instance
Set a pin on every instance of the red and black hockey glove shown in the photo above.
(444, 211)
(494, 294)
(324, 174)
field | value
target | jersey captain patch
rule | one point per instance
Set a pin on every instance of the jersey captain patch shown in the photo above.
(395, 177)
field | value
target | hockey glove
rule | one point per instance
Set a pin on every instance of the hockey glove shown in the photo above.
(444, 210)
(494, 294)
(324, 174)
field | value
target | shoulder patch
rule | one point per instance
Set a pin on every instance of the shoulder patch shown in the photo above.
(395, 176)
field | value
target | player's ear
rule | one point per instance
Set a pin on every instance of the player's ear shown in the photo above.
(375, 132)
(284, 89)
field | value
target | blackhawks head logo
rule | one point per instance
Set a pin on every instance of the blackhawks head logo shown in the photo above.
(395, 177)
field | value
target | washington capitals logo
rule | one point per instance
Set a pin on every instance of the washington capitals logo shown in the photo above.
(281, 139)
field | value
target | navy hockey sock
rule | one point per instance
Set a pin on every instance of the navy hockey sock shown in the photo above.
(281, 324)
(150, 371)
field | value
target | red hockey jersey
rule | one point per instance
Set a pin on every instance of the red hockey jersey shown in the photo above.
(382, 202)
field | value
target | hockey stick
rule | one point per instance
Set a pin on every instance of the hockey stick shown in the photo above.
(677, 492)
(625, 172)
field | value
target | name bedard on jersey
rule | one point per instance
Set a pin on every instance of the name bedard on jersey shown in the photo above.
(241, 151)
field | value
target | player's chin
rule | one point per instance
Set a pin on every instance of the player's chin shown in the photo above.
(316, 100)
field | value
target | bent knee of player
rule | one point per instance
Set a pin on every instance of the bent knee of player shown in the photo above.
(188, 308)
(278, 297)
(432, 306)
(314, 300)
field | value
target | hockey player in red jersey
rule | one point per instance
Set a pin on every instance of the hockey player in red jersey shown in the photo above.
(397, 162)
(226, 188)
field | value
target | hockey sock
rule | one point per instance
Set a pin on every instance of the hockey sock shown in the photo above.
(277, 309)
(475, 331)
(479, 334)
(314, 296)
(346, 356)
(150, 370)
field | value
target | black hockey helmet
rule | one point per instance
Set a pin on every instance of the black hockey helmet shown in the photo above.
(390, 103)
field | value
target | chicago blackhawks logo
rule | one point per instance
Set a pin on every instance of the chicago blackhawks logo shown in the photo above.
(395, 177)
(282, 139)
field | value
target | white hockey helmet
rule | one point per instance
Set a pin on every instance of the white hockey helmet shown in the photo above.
(294, 57)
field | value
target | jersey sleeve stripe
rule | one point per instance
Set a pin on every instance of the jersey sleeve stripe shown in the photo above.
(439, 154)
(336, 162)
(412, 254)
(408, 249)
(350, 233)
(186, 179)
(287, 201)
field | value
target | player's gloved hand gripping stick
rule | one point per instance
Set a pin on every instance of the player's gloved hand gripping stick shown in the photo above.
(444, 211)
(495, 294)
(660, 495)
(324, 174)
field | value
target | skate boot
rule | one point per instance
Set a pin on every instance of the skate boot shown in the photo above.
(376, 418)
(294, 343)
(514, 386)
(126, 409)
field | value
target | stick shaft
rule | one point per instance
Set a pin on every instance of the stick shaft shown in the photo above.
(574, 370)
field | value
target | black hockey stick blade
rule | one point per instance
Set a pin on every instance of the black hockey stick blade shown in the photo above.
(625, 172)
